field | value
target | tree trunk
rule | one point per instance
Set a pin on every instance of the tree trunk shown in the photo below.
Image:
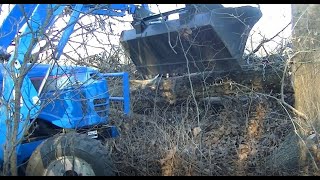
(303, 151)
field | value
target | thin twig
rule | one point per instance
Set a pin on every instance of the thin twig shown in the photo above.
(268, 40)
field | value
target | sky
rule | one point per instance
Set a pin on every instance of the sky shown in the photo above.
(275, 17)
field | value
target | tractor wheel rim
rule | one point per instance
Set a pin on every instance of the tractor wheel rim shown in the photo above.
(69, 166)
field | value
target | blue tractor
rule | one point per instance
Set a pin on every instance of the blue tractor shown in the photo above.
(64, 109)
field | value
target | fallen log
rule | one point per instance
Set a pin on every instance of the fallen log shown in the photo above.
(173, 90)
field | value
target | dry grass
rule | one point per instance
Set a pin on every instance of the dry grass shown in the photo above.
(234, 140)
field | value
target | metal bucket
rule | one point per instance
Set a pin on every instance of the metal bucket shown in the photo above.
(200, 40)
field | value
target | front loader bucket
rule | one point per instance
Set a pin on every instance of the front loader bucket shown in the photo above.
(212, 40)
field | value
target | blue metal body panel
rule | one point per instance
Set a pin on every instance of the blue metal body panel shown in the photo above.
(13, 22)
(66, 34)
(24, 151)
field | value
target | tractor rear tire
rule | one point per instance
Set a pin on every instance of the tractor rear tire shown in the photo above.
(70, 154)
